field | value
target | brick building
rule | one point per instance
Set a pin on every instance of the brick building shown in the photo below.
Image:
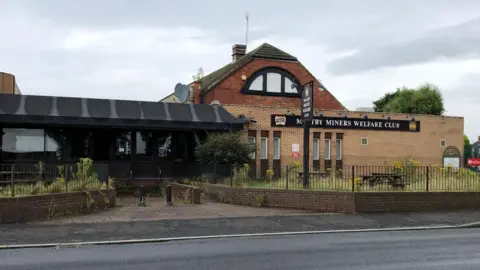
(257, 86)
(8, 84)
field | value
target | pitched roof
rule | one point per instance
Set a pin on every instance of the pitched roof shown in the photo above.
(264, 51)
(476, 144)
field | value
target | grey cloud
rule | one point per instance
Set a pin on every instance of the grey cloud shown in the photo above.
(462, 40)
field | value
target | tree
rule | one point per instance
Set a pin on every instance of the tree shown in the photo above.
(425, 99)
(467, 148)
(199, 75)
(379, 104)
(224, 148)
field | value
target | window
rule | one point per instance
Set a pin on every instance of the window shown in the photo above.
(338, 146)
(145, 145)
(364, 141)
(23, 144)
(123, 146)
(264, 148)
(252, 141)
(54, 144)
(443, 143)
(272, 81)
(257, 84)
(316, 149)
(327, 149)
(164, 144)
(276, 147)
(288, 86)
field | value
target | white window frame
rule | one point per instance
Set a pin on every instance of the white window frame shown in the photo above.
(316, 152)
(262, 140)
(329, 143)
(273, 75)
(361, 141)
(444, 143)
(253, 155)
(277, 146)
(339, 146)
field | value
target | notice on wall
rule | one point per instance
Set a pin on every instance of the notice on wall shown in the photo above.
(295, 150)
(453, 162)
(295, 147)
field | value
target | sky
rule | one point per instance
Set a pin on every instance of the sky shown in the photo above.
(139, 49)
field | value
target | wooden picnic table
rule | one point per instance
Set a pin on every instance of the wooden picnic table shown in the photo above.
(317, 174)
(393, 179)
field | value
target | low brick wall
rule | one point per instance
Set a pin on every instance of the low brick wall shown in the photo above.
(345, 202)
(186, 193)
(415, 201)
(46, 206)
(321, 201)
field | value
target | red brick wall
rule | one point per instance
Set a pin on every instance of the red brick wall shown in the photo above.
(321, 201)
(415, 201)
(186, 193)
(345, 202)
(228, 91)
(41, 207)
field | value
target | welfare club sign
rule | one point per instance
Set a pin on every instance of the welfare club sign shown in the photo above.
(346, 123)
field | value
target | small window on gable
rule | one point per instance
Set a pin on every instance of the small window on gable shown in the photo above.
(257, 84)
(288, 86)
(271, 81)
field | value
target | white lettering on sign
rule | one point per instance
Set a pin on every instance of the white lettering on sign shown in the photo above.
(347, 123)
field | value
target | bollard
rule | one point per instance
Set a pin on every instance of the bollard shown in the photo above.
(142, 196)
(168, 194)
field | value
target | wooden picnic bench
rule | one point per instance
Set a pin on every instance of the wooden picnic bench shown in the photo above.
(393, 179)
(313, 174)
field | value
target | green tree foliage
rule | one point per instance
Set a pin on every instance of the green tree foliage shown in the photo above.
(199, 75)
(379, 104)
(467, 148)
(224, 148)
(425, 99)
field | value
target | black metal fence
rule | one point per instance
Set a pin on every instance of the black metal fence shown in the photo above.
(349, 178)
(33, 179)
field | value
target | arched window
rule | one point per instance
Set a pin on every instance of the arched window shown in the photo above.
(273, 82)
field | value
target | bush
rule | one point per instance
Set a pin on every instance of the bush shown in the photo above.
(224, 148)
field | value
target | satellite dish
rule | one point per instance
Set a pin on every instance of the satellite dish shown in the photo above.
(182, 92)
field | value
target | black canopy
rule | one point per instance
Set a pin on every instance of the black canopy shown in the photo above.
(48, 110)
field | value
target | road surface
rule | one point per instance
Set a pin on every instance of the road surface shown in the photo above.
(441, 249)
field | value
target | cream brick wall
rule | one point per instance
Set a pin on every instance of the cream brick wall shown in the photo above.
(384, 148)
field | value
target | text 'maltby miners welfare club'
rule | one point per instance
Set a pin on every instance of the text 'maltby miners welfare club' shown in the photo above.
(346, 123)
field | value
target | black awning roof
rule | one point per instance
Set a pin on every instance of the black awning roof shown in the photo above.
(48, 110)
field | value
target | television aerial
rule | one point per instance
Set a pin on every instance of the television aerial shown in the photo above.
(182, 92)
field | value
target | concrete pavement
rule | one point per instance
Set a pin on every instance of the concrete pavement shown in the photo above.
(439, 250)
(104, 231)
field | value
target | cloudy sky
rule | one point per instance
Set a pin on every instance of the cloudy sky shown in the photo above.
(139, 49)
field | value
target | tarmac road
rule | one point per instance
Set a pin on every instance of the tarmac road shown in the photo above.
(436, 249)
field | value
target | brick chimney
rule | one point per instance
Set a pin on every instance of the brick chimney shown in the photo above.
(238, 51)
(478, 138)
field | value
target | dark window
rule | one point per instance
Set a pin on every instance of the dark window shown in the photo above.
(123, 145)
(69, 144)
(145, 145)
(273, 82)
(164, 144)
(23, 144)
